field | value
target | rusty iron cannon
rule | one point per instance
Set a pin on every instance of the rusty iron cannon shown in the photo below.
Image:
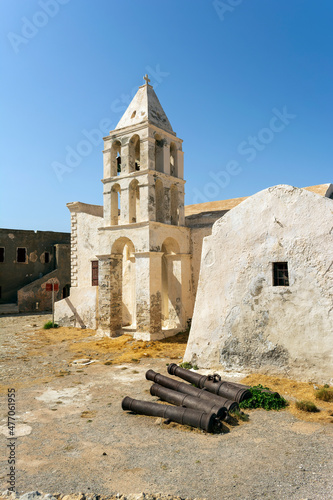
(202, 394)
(181, 399)
(186, 416)
(212, 383)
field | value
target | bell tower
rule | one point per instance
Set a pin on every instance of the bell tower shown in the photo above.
(144, 244)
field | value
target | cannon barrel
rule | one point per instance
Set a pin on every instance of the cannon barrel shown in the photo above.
(235, 392)
(175, 385)
(186, 416)
(181, 399)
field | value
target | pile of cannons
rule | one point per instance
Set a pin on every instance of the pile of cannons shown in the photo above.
(203, 406)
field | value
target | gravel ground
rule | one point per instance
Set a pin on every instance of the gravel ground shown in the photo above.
(72, 435)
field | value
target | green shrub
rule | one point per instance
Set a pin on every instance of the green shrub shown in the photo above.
(188, 366)
(260, 399)
(306, 406)
(49, 324)
(325, 394)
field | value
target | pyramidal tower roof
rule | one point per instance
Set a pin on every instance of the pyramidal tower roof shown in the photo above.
(145, 106)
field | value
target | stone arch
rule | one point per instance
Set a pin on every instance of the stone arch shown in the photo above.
(171, 284)
(173, 160)
(115, 204)
(159, 200)
(124, 248)
(134, 201)
(115, 158)
(174, 209)
(159, 153)
(134, 153)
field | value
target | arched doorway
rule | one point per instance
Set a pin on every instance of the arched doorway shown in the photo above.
(124, 248)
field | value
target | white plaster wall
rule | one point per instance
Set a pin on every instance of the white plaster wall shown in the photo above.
(197, 236)
(79, 309)
(241, 321)
(87, 245)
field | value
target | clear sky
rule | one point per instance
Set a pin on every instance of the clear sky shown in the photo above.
(247, 84)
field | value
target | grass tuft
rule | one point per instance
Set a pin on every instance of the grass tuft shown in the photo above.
(188, 366)
(325, 394)
(306, 406)
(49, 325)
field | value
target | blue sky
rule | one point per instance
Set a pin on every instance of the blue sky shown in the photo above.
(247, 84)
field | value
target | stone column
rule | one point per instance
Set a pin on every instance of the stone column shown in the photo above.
(181, 210)
(144, 202)
(124, 206)
(167, 205)
(174, 267)
(148, 294)
(109, 294)
(187, 298)
(166, 159)
(107, 205)
(147, 153)
(125, 151)
(180, 164)
(107, 163)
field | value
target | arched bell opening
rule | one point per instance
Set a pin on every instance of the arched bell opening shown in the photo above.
(115, 204)
(134, 153)
(115, 158)
(173, 160)
(159, 145)
(134, 202)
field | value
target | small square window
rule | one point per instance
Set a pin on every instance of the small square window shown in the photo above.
(21, 255)
(2, 254)
(280, 274)
(47, 257)
(94, 272)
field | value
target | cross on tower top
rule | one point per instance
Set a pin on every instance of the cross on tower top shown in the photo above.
(146, 79)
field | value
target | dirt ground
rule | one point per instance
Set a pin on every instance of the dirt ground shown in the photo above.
(72, 435)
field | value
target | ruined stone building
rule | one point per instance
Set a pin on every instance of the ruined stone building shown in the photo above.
(28, 261)
(135, 262)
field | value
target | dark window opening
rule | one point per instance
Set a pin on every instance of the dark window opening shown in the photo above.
(47, 257)
(65, 291)
(94, 273)
(21, 255)
(2, 254)
(280, 274)
(118, 165)
(0, 292)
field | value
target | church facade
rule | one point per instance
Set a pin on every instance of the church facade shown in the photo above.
(135, 262)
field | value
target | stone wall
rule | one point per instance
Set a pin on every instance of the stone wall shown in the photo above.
(35, 297)
(14, 274)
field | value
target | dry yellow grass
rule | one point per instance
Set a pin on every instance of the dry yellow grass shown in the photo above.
(118, 350)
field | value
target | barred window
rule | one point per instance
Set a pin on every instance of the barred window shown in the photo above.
(94, 273)
(280, 274)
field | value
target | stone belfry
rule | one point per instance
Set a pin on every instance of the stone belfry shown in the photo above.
(144, 264)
